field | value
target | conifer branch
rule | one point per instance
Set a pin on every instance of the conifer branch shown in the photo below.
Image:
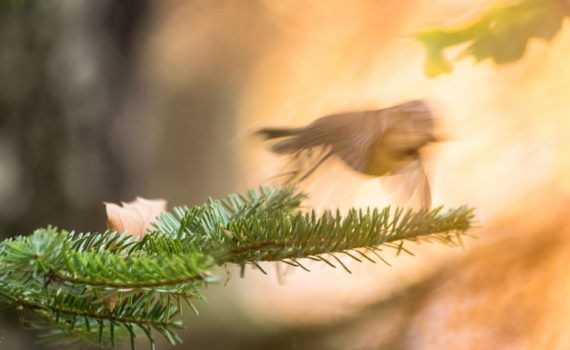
(103, 287)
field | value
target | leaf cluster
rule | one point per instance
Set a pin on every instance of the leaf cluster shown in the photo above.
(501, 33)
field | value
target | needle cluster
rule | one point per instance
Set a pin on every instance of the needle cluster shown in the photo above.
(101, 288)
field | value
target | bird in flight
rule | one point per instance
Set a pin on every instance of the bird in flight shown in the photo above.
(375, 143)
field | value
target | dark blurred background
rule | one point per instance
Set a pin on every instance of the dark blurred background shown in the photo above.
(80, 123)
(107, 100)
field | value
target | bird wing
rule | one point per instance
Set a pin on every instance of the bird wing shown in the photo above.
(360, 131)
(410, 186)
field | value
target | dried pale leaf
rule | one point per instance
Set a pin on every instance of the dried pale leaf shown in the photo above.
(134, 217)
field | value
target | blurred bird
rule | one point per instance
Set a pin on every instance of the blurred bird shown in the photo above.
(375, 143)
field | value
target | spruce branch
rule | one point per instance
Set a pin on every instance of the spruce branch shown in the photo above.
(104, 287)
(305, 235)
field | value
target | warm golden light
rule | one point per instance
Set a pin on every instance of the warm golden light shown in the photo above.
(508, 129)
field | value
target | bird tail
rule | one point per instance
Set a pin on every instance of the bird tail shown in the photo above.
(275, 133)
(285, 146)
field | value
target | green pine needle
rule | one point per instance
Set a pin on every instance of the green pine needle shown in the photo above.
(104, 288)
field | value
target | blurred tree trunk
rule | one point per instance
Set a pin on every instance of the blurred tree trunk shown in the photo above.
(65, 68)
